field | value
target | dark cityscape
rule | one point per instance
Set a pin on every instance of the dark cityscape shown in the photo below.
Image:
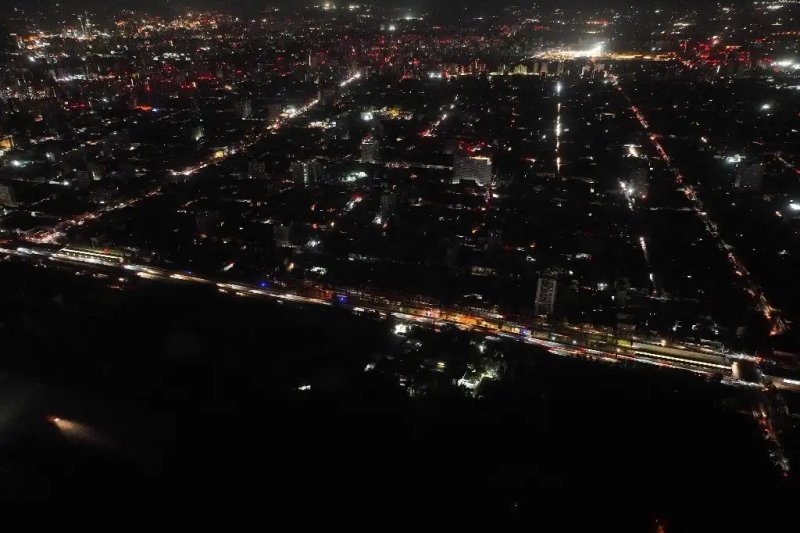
(404, 259)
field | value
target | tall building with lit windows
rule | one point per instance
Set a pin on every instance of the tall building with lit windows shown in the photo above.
(306, 174)
(638, 181)
(7, 196)
(545, 295)
(388, 203)
(256, 170)
(474, 168)
(369, 150)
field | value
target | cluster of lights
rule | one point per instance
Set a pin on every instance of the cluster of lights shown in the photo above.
(353, 177)
(351, 79)
(787, 64)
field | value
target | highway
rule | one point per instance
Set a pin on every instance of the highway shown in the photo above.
(570, 340)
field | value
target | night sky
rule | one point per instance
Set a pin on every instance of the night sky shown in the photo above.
(244, 6)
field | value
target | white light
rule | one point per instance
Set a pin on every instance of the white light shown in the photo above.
(392, 27)
(558, 88)
(15, 163)
(765, 107)
(794, 206)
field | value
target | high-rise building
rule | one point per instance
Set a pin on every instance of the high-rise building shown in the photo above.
(97, 170)
(749, 176)
(197, 133)
(545, 295)
(475, 168)
(306, 173)
(7, 196)
(244, 107)
(84, 25)
(369, 150)
(638, 181)
(283, 234)
(388, 203)
(18, 40)
(6, 143)
(256, 170)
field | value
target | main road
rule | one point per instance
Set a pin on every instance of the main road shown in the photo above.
(777, 324)
(576, 341)
(57, 232)
(572, 340)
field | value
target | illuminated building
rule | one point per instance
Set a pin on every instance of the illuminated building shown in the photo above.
(306, 173)
(638, 181)
(282, 233)
(197, 133)
(6, 143)
(369, 150)
(103, 256)
(7, 196)
(244, 107)
(256, 170)
(545, 296)
(472, 168)
(388, 203)
(96, 170)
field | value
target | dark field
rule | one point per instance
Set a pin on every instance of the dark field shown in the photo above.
(189, 394)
